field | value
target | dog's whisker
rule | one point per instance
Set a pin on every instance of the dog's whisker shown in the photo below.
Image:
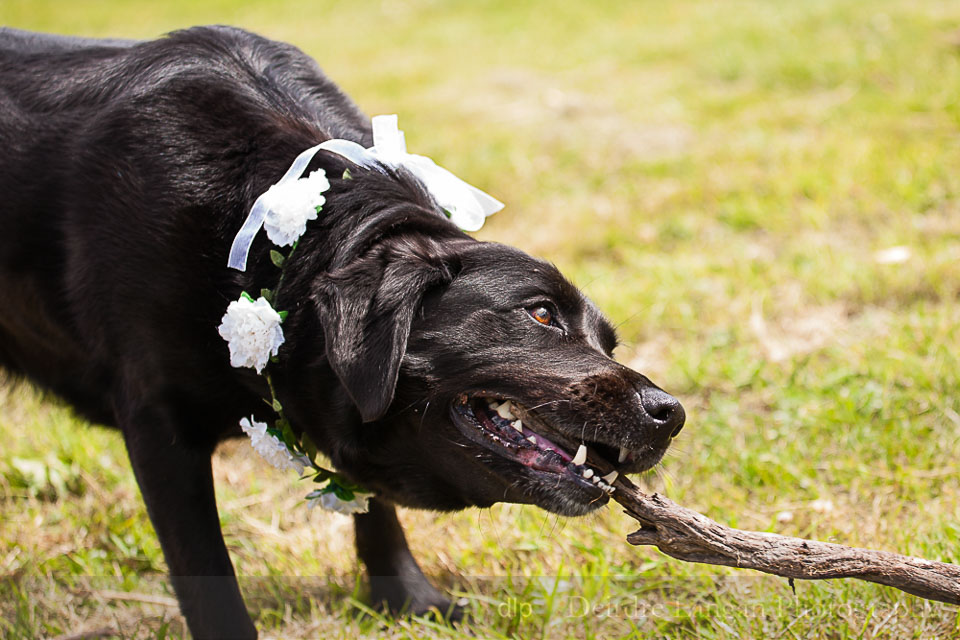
(423, 416)
(664, 474)
(496, 529)
(676, 451)
(479, 522)
(631, 317)
(512, 485)
(544, 404)
(462, 445)
(553, 529)
(404, 409)
(546, 518)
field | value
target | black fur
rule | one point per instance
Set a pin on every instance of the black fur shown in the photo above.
(128, 168)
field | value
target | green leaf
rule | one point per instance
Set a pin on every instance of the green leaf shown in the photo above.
(283, 315)
(267, 295)
(246, 296)
(289, 438)
(309, 447)
(342, 492)
(346, 174)
(277, 406)
(349, 485)
(277, 258)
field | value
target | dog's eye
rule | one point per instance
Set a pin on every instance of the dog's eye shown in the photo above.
(542, 315)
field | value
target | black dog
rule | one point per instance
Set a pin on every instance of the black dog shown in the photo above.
(127, 169)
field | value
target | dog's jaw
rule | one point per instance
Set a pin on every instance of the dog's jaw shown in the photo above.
(554, 472)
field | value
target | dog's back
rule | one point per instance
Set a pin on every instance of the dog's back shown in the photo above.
(100, 135)
(44, 95)
(17, 41)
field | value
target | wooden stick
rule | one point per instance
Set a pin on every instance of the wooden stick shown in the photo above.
(692, 537)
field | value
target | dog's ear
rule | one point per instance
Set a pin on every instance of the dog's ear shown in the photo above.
(366, 310)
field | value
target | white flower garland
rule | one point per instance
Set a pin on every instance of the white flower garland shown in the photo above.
(252, 329)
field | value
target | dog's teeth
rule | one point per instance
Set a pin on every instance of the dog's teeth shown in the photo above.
(581, 456)
(504, 411)
(493, 405)
(587, 473)
(623, 454)
(610, 477)
(516, 424)
(532, 439)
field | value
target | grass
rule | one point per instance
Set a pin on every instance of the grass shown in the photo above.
(722, 179)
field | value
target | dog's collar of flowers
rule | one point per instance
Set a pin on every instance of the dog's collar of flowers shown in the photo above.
(252, 328)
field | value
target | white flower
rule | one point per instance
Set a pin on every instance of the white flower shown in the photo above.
(291, 204)
(271, 448)
(331, 502)
(252, 329)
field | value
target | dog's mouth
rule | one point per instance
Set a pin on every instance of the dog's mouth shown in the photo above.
(517, 433)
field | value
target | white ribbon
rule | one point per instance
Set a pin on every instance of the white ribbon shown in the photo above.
(466, 205)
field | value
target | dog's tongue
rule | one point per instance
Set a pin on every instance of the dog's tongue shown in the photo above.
(547, 454)
(549, 447)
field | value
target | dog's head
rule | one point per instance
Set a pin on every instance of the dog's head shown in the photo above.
(466, 373)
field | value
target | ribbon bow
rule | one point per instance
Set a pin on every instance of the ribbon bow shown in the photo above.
(466, 205)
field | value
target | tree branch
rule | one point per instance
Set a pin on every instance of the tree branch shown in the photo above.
(692, 537)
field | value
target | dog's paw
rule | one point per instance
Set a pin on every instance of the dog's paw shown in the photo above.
(404, 597)
(444, 610)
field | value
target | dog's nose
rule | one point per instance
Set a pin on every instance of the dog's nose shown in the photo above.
(664, 410)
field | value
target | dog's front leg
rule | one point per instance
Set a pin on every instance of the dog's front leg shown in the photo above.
(396, 581)
(176, 481)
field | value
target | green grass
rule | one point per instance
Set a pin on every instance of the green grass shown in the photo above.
(720, 178)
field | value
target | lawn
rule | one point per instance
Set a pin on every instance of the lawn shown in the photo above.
(763, 196)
